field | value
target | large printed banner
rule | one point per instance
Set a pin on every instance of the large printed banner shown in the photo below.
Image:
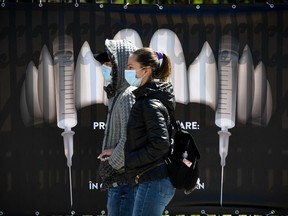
(230, 77)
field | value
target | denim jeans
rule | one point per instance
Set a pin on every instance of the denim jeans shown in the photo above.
(120, 200)
(151, 198)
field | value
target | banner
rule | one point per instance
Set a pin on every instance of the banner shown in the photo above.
(229, 73)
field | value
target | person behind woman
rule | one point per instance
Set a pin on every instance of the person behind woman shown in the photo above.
(120, 99)
(148, 131)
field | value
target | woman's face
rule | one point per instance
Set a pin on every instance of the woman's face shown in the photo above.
(134, 65)
(141, 72)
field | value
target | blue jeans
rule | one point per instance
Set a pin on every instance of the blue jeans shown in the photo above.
(120, 200)
(151, 198)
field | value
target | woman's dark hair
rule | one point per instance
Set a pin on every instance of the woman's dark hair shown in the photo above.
(159, 62)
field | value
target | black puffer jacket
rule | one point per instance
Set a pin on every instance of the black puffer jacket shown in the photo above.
(148, 132)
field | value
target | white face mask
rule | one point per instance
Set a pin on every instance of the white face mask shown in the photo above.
(130, 76)
(106, 71)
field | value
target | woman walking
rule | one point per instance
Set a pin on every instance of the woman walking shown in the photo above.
(149, 131)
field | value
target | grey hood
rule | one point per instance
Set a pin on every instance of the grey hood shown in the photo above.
(118, 52)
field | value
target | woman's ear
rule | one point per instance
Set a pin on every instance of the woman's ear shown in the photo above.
(148, 69)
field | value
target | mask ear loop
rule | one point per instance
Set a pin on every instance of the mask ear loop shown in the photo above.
(143, 68)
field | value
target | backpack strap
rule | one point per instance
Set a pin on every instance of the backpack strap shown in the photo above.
(176, 124)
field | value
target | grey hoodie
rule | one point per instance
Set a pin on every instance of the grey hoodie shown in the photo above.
(120, 102)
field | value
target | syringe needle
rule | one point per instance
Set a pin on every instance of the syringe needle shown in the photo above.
(70, 181)
(222, 181)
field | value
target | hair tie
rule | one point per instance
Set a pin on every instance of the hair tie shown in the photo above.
(160, 57)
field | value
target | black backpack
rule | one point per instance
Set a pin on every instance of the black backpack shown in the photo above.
(182, 161)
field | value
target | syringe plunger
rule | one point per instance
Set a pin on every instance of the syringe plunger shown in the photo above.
(223, 144)
(64, 82)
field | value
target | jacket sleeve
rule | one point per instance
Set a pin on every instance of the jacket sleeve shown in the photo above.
(117, 159)
(158, 143)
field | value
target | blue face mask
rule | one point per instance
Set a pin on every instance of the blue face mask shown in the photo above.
(130, 76)
(106, 71)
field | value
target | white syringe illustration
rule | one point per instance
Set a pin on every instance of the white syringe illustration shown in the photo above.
(65, 95)
(227, 91)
